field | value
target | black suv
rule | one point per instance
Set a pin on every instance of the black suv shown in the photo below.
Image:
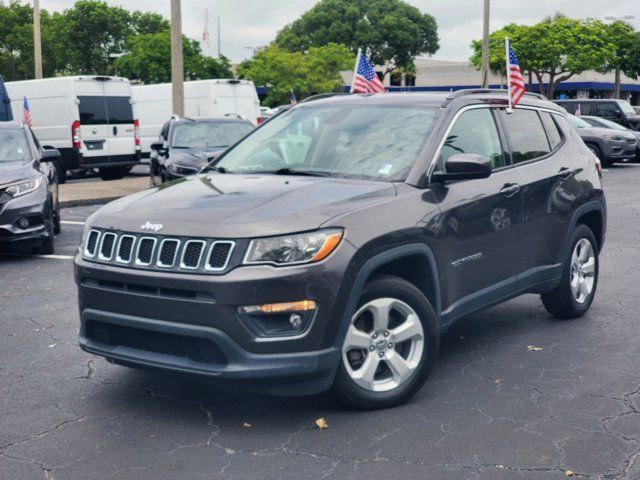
(186, 145)
(619, 111)
(333, 245)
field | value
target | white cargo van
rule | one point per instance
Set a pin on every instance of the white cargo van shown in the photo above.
(202, 98)
(88, 118)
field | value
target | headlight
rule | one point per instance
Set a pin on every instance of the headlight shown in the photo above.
(612, 137)
(22, 188)
(293, 249)
(182, 169)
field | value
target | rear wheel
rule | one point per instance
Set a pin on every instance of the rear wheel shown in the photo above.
(112, 173)
(390, 346)
(574, 295)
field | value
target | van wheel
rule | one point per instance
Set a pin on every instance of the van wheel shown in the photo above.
(390, 346)
(574, 295)
(112, 173)
(61, 174)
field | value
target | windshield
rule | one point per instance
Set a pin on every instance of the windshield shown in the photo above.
(577, 122)
(607, 124)
(208, 134)
(13, 146)
(355, 141)
(627, 108)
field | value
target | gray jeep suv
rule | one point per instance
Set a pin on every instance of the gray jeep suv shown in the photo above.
(333, 245)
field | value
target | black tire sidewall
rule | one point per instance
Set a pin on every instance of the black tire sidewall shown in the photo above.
(393, 287)
(581, 231)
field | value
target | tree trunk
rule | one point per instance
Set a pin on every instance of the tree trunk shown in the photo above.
(617, 81)
(552, 86)
(540, 83)
(530, 81)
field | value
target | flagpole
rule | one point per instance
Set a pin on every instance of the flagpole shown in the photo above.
(355, 70)
(506, 47)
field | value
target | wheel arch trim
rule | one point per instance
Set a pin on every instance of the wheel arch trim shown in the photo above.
(592, 206)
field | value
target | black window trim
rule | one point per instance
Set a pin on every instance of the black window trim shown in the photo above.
(551, 152)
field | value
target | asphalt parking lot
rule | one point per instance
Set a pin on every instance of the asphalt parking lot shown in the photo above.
(515, 394)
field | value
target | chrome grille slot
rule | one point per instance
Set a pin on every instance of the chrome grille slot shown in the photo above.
(219, 255)
(168, 252)
(125, 248)
(144, 253)
(106, 246)
(191, 254)
(92, 243)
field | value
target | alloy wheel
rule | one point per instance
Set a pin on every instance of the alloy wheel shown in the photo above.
(583, 270)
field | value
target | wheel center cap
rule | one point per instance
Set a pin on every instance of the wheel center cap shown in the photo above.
(380, 345)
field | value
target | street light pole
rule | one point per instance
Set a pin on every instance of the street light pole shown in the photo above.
(485, 45)
(37, 42)
(177, 61)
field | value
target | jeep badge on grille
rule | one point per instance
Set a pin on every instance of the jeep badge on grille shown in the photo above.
(156, 227)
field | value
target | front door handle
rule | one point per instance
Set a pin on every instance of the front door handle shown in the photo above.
(115, 130)
(510, 189)
(565, 172)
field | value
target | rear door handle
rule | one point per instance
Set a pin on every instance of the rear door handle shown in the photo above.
(565, 172)
(115, 130)
(510, 189)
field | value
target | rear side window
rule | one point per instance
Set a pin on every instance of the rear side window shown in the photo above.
(555, 137)
(119, 110)
(526, 135)
(475, 132)
(101, 110)
(93, 110)
(607, 109)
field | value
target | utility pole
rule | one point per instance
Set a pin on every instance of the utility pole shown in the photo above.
(485, 45)
(177, 62)
(218, 37)
(37, 42)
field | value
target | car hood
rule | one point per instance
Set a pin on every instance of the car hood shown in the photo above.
(194, 156)
(15, 171)
(602, 132)
(239, 206)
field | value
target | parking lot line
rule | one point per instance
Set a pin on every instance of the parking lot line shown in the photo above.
(54, 257)
(71, 222)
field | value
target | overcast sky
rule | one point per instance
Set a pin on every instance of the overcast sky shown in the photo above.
(256, 22)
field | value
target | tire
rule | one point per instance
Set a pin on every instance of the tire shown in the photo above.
(387, 388)
(605, 162)
(47, 246)
(111, 173)
(562, 301)
(61, 173)
(57, 227)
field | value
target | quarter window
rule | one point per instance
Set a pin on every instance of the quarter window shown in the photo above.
(526, 135)
(475, 132)
(555, 137)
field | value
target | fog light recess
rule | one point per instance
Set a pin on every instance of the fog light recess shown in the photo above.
(279, 319)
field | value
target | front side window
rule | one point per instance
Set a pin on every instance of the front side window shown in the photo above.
(475, 132)
(376, 142)
(208, 134)
(14, 146)
(610, 110)
(626, 108)
(526, 135)
(555, 137)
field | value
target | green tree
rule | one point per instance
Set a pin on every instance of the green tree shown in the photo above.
(390, 32)
(623, 56)
(553, 50)
(315, 71)
(92, 32)
(149, 60)
(148, 22)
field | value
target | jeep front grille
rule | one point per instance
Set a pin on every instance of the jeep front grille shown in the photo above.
(154, 252)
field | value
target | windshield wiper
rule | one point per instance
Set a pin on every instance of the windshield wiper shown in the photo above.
(213, 168)
(293, 171)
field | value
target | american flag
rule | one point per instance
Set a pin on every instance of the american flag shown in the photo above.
(26, 113)
(292, 97)
(516, 82)
(365, 79)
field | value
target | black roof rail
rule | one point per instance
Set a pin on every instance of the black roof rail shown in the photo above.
(320, 96)
(477, 91)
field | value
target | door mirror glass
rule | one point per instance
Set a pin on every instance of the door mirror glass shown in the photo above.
(157, 146)
(464, 166)
(50, 155)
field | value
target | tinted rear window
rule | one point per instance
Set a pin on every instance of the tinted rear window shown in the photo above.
(93, 110)
(119, 110)
(555, 137)
(526, 134)
(100, 110)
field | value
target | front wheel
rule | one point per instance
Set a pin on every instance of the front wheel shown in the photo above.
(111, 173)
(574, 295)
(390, 346)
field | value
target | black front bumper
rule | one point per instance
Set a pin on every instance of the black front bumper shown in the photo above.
(175, 317)
(35, 205)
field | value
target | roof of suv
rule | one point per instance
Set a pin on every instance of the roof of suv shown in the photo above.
(435, 99)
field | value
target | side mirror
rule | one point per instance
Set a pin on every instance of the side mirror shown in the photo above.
(464, 166)
(50, 155)
(157, 146)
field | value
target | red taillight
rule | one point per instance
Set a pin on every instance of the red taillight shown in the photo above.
(260, 120)
(75, 135)
(136, 132)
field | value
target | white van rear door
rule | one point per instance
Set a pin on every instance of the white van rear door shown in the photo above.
(120, 119)
(94, 130)
(237, 98)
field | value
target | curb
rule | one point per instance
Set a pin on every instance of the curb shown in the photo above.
(83, 202)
